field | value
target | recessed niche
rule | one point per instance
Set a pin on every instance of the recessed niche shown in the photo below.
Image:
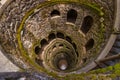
(37, 49)
(77, 54)
(87, 24)
(68, 39)
(43, 42)
(55, 13)
(84, 60)
(89, 44)
(74, 45)
(51, 36)
(60, 35)
(71, 16)
(61, 45)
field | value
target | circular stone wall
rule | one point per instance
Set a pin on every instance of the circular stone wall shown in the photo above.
(61, 37)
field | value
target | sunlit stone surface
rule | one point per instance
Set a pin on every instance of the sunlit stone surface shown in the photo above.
(63, 64)
(6, 65)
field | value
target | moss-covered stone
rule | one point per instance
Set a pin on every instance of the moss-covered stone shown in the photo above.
(108, 73)
(82, 76)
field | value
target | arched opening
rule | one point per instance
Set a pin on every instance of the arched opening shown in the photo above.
(71, 16)
(62, 64)
(51, 36)
(60, 35)
(74, 45)
(84, 60)
(37, 50)
(89, 44)
(62, 61)
(43, 42)
(68, 39)
(55, 13)
(87, 24)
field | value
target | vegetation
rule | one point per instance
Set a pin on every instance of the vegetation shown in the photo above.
(93, 75)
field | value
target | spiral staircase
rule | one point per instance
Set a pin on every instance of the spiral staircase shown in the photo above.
(52, 39)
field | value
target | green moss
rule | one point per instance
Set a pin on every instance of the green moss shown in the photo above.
(104, 70)
(93, 7)
(74, 77)
(94, 77)
(117, 72)
(96, 8)
(100, 34)
(87, 3)
(114, 71)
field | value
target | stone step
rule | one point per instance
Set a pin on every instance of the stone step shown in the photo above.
(6, 65)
